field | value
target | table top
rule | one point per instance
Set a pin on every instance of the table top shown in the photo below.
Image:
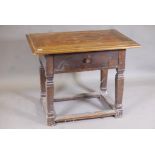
(79, 41)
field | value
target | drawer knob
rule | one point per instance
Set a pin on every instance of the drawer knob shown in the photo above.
(87, 60)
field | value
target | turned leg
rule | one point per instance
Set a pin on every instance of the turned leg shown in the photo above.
(50, 90)
(103, 84)
(42, 82)
(119, 84)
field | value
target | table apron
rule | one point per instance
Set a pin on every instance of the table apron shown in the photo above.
(78, 62)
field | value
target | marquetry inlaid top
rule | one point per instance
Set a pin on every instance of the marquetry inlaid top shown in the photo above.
(82, 41)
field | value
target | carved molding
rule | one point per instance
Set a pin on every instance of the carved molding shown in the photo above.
(49, 81)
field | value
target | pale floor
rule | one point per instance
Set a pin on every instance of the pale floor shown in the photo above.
(20, 106)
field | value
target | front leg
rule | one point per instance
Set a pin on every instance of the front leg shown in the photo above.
(50, 90)
(42, 82)
(119, 83)
(119, 86)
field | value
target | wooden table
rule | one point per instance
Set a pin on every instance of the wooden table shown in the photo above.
(64, 52)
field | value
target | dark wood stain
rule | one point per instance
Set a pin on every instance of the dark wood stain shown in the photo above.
(81, 51)
(85, 61)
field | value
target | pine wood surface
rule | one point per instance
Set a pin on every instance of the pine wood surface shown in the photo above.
(79, 41)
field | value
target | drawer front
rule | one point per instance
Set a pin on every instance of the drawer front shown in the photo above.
(85, 61)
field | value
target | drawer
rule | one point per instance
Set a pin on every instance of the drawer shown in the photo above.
(85, 61)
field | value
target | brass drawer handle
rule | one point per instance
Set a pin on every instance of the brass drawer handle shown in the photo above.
(87, 60)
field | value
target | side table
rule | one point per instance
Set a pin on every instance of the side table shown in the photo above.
(65, 52)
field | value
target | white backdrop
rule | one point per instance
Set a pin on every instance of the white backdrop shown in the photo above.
(19, 73)
(16, 57)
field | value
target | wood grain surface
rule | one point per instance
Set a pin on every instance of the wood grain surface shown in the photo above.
(80, 41)
(77, 62)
